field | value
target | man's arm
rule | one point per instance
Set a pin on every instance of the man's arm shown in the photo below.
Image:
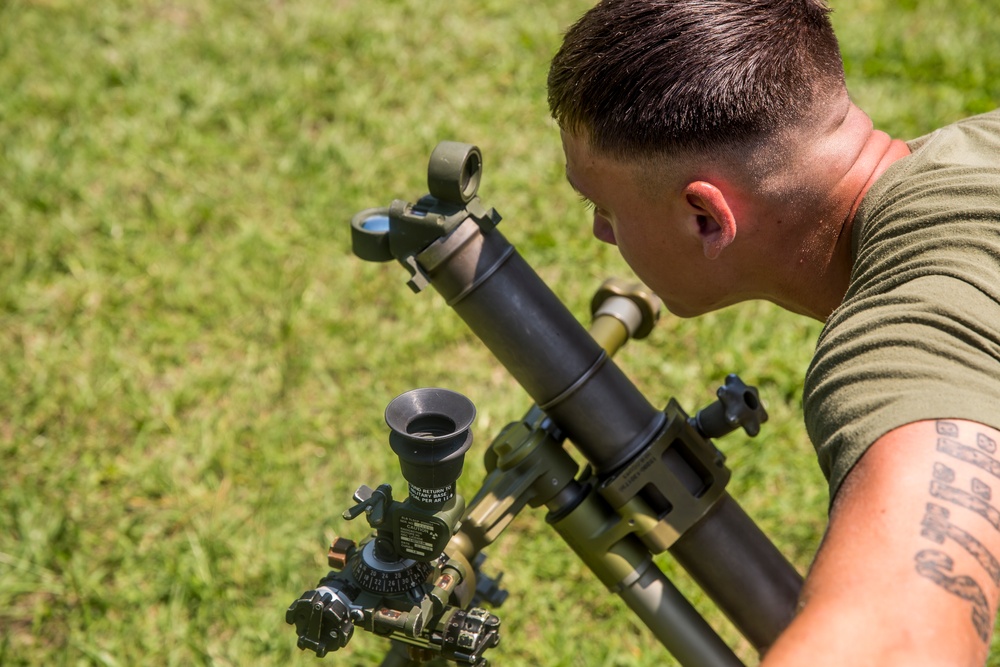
(908, 572)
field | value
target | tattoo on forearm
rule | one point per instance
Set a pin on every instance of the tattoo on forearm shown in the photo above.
(937, 526)
(935, 565)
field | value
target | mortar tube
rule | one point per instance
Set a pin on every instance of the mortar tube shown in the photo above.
(737, 566)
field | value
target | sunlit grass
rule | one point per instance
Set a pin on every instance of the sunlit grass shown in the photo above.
(194, 367)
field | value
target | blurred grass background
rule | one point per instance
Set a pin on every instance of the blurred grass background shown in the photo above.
(193, 367)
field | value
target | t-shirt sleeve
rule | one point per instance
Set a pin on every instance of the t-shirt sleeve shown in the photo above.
(926, 349)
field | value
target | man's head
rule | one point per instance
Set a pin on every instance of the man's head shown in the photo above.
(645, 77)
(687, 121)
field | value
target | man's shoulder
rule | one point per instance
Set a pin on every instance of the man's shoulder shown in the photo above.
(949, 186)
(969, 137)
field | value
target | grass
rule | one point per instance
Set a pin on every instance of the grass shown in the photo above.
(194, 367)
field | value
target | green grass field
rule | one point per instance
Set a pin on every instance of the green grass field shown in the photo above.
(194, 368)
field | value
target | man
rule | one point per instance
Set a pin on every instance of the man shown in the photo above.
(721, 152)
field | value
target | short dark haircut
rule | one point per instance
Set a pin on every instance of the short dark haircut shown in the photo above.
(647, 77)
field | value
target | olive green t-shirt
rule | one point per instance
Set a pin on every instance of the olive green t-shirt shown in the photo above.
(918, 334)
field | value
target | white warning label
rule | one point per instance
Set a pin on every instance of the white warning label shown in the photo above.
(417, 536)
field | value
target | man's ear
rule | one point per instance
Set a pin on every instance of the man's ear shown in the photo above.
(715, 219)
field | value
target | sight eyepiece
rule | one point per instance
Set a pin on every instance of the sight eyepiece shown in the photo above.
(430, 435)
(454, 171)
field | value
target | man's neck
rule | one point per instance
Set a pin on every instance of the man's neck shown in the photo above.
(853, 156)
